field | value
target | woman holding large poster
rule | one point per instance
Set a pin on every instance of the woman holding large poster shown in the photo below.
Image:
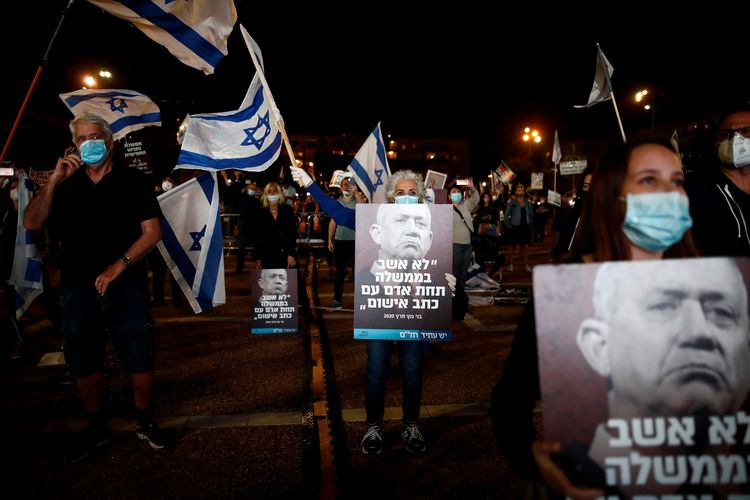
(638, 210)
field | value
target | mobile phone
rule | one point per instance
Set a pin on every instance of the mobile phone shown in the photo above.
(6, 172)
(462, 182)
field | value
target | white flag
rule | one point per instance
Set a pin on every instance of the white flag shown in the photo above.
(125, 110)
(245, 139)
(370, 167)
(195, 32)
(556, 151)
(675, 141)
(602, 88)
(191, 242)
(26, 276)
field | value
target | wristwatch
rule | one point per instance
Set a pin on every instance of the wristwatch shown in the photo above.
(126, 260)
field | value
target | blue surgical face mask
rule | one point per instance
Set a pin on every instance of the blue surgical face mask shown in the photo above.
(656, 221)
(407, 199)
(273, 198)
(456, 197)
(93, 152)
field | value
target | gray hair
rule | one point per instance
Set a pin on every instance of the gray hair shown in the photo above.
(90, 118)
(404, 175)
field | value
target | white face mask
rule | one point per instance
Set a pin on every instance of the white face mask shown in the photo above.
(735, 151)
(347, 195)
(251, 192)
(273, 198)
(166, 186)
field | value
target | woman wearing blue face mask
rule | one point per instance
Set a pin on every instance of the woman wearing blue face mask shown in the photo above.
(276, 231)
(639, 210)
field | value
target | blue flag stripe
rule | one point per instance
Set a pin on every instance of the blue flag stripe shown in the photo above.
(180, 258)
(199, 160)
(380, 146)
(241, 115)
(211, 268)
(177, 29)
(75, 100)
(362, 174)
(127, 121)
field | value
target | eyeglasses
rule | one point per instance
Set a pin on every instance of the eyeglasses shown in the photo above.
(728, 133)
(91, 137)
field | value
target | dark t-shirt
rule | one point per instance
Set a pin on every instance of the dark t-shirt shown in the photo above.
(97, 223)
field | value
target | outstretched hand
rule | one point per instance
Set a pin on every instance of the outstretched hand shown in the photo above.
(301, 177)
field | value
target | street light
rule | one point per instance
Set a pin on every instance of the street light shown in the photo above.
(531, 136)
(640, 97)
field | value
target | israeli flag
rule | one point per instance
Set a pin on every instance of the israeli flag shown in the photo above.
(195, 32)
(125, 110)
(245, 139)
(370, 167)
(26, 276)
(191, 240)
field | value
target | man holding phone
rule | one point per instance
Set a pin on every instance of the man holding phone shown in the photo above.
(106, 217)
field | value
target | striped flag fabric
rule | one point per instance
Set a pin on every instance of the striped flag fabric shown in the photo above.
(504, 174)
(194, 32)
(602, 89)
(370, 167)
(246, 139)
(26, 275)
(192, 244)
(125, 110)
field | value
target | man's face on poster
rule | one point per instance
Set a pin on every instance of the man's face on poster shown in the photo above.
(403, 231)
(677, 339)
(273, 281)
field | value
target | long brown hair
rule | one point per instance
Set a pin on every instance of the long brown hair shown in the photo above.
(600, 229)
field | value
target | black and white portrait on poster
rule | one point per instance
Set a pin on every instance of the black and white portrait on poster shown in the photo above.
(273, 300)
(645, 374)
(404, 252)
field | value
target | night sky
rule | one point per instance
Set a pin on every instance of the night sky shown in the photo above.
(475, 70)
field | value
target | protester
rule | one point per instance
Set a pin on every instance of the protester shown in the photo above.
(720, 193)
(341, 242)
(647, 179)
(519, 216)
(463, 229)
(107, 219)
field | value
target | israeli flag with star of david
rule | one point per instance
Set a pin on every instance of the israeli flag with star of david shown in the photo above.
(125, 110)
(370, 167)
(245, 139)
(191, 240)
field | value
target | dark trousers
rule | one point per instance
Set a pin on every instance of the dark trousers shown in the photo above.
(378, 365)
(343, 255)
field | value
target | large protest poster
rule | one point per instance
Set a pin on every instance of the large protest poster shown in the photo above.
(273, 299)
(404, 252)
(645, 374)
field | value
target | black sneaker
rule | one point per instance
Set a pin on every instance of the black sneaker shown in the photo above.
(151, 432)
(413, 439)
(372, 441)
(85, 444)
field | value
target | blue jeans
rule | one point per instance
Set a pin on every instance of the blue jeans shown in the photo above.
(378, 365)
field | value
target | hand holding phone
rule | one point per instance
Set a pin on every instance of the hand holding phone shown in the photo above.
(462, 182)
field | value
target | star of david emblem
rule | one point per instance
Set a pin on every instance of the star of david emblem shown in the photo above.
(116, 104)
(250, 131)
(197, 236)
(379, 178)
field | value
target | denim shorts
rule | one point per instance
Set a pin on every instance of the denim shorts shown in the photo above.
(123, 313)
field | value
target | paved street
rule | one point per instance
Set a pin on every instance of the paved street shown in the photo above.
(248, 415)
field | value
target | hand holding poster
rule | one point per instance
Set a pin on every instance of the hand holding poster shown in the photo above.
(401, 291)
(645, 374)
(274, 300)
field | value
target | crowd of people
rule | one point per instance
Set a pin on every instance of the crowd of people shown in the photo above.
(635, 204)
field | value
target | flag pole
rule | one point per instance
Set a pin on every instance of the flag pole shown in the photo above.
(34, 82)
(617, 113)
(276, 113)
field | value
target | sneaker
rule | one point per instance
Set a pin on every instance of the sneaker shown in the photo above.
(335, 304)
(527, 268)
(413, 439)
(85, 444)
(510, 268)
(372, 441)
(151, 432)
